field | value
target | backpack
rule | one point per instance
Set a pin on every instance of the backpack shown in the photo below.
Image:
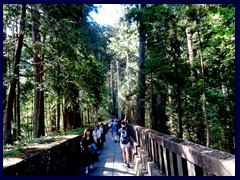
(124, 136)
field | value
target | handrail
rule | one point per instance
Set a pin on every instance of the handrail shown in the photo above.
(177, 157)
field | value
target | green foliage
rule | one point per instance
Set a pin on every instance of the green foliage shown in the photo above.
(76, 131)
(77, 55)
(11, 153)
(75, 59)
(215, 24)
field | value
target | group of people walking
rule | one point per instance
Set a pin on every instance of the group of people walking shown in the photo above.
(114, 126)
(91, 143)
(120, 133)
(93, 140)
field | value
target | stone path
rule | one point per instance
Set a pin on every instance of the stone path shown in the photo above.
(111, 161)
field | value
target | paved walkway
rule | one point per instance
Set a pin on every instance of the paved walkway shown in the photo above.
(111, 161)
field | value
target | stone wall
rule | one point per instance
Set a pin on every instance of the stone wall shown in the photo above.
(61, 158)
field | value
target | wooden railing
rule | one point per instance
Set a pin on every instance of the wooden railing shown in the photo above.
(177, 157)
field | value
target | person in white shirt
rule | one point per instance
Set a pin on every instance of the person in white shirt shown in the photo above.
(101, 129)
(96, 134)
(110, 124)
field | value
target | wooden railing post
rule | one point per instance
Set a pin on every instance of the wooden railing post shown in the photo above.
(166, 162)
(179, 165)
(160, 155)
(171, 163)
(191, 169)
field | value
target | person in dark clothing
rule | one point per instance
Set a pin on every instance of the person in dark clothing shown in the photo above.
(103, 130)
(115, 130)
(89, 156)
(124, 134)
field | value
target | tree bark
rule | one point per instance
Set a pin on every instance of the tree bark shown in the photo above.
(88, 116)
(71, 113)
(141, 74)
(66, 118)
(128, 105)
(18, 132)
(158, 114)
(193, 80)
(170, 101)
(180, 129)
(58, 100)
(119, 90)
(53, 120)
(68, 115)
(113, 98)
(95, 106)
(191, 55)
(38, 78)
(5, 60)
(176, 57)
(8, 114)
(203, 89)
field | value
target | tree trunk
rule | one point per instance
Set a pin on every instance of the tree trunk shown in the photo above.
(188, 123)
(230, 136)
(193, 80)
(71, 114)
(18, 132)
(113, 98)
(8, 114)
(5, 59)
(88, 116)
(128, 110)
(203, 89)
(53, 123)
(176, 57)
(68, 115)
(95, 107)
(77, 115)
(180, 131)
(141, 75)
(14, 121)
(158, 114)
(66, 118)
(128, 117)
(119, 90)
(170, 101)
(38, 78)
(58, 101)
(191, 55)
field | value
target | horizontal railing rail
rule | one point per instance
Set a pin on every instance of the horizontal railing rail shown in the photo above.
(177, 157)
